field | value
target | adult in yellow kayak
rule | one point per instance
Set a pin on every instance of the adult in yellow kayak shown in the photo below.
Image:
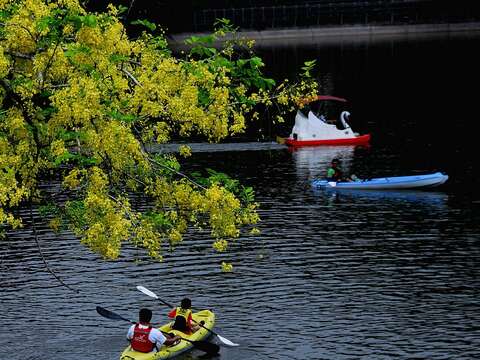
(145, 338)
(183, 317)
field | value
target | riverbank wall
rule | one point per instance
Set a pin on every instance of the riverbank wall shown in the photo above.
(347, 33)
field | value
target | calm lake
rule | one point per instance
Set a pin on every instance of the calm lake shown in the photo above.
(354, 275)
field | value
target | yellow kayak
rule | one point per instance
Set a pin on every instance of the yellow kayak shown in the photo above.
(167, 352)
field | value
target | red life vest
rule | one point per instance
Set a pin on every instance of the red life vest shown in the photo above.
(140, 340)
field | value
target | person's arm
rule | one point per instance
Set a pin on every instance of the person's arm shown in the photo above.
(189, 320)
(172, 313)
(130, 332)
(171, 340)
(157, 337)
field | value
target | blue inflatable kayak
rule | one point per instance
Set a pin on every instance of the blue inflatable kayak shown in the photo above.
(395, 182)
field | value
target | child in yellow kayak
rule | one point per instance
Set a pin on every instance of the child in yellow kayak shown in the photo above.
(183, 317)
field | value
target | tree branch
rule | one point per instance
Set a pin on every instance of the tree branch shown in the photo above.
(43, 256)
(153, 161)
(19, 55)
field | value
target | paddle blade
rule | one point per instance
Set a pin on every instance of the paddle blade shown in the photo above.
(147, 292)
(206, 346)
(226, 341)
(110, 315)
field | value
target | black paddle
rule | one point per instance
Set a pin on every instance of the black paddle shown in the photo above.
(205, 346)
(152, 294)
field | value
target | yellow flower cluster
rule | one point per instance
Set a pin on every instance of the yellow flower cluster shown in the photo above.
(220, 245)
(185, 150)
(17, 164)
(4, 63)
(227, 267)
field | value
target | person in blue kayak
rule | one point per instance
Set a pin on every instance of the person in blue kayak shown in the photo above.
(145, 338)
(335, 173)
(183, 317)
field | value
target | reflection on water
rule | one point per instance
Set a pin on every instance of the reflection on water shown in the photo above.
(313, 161)
(432, 199)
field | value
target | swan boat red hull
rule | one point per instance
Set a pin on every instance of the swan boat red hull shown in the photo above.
(358, 140)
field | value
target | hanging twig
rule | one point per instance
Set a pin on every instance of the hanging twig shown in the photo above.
(43, 257)
(129, 8)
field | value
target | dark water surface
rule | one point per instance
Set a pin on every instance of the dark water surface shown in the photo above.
(354, 275)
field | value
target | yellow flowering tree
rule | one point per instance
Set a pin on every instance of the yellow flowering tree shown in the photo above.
(82, 101)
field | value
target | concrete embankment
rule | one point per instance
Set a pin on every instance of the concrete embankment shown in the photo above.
(336, 34)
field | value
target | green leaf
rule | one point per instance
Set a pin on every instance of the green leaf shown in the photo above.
(146, 23)
(224, 26)
(160, 43)
(203, 51)
(76, 20)
(256, 62)
(159, 220)
(220, 61)
(270, 82)
(89, 20)
(116, 58)
(204, 97)
(247, 194)
(308, 66)
(64, 158)
(122, 9)
(68, 135)
(167, 161)
(82, 49)
(49, 209)
(44, 23)
(191, 40)
(207, 39)
(75, 213)
(86, 160)
(223, 179)
(117, 115)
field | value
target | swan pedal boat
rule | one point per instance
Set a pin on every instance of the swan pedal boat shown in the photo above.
(386, 183)
(313, 128)
(167, 352)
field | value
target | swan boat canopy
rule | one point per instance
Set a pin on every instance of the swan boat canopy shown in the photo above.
(324, 121)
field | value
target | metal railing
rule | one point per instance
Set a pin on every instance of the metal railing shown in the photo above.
(378, 12)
